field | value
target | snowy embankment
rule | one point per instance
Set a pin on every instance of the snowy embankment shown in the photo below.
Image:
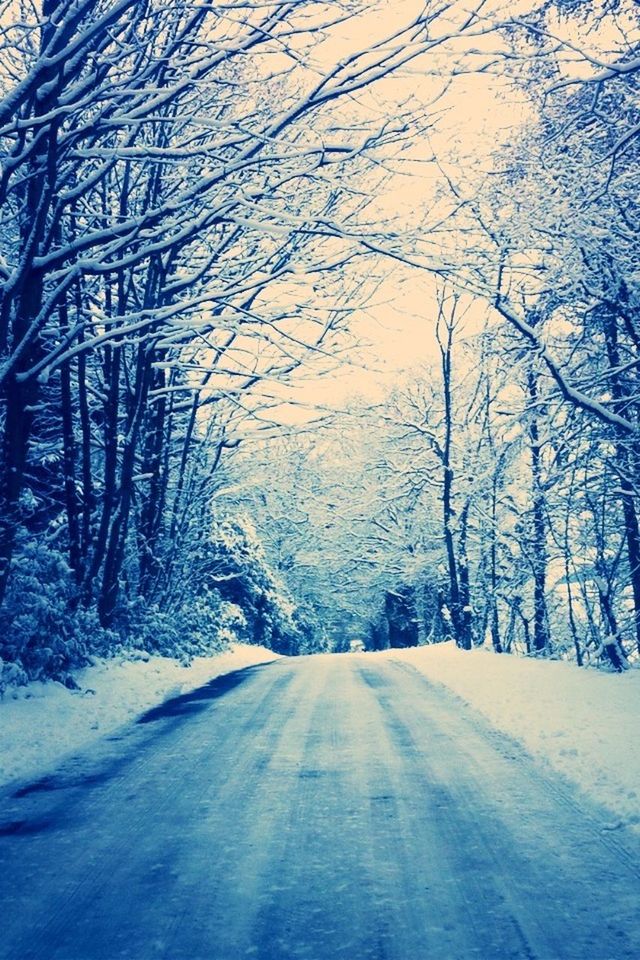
(582, 722)
(43, 722)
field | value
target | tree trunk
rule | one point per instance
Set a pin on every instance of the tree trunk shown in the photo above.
(541, 639)
(620, 395)
(69, 457)
(151, 509)
(114, 554)
(461, 634)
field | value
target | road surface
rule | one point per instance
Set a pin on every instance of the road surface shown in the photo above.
(313, 809)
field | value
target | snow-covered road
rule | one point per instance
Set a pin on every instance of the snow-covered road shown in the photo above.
(322, 808)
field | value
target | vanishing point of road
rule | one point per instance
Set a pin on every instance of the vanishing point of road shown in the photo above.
(322, 808)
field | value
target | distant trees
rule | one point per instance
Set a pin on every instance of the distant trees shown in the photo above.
(523, 439)
(549, 240)
(472, 504)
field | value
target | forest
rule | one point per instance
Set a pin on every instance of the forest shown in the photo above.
(201, 205)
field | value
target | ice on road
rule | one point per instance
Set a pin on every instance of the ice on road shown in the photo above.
(322, 808)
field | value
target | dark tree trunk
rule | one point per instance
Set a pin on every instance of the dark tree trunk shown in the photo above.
(152, 505)
(69, 458)
(111, 411)
(632, 535)
(620, 394)
(112, 369)
(466, 619)
(117, 535)
(613, 648)
(494, 616)
(541, 639)
(459, 626)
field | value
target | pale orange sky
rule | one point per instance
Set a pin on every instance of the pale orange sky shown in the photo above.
(474, 117)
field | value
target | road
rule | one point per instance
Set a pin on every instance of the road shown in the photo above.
(313, 809)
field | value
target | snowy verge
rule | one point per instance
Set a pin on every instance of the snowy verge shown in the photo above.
(582, 722)
(43, 722)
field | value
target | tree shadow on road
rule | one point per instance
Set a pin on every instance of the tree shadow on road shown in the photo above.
(196, 700)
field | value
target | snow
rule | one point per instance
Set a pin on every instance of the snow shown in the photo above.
(580, 722)
(42, 723)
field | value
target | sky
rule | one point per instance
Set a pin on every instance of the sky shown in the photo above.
(475, 116)
(478, 114)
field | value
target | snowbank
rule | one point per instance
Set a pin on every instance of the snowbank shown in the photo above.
(582, 722)
(42, 722)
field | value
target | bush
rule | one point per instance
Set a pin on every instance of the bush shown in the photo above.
(43, 630)
(235, 565)
(202, 626)
(233, 595)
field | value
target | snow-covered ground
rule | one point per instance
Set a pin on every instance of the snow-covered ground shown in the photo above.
(583, 723)
(43, 722)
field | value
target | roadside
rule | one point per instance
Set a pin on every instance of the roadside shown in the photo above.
(43, 722)
(581, 722)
